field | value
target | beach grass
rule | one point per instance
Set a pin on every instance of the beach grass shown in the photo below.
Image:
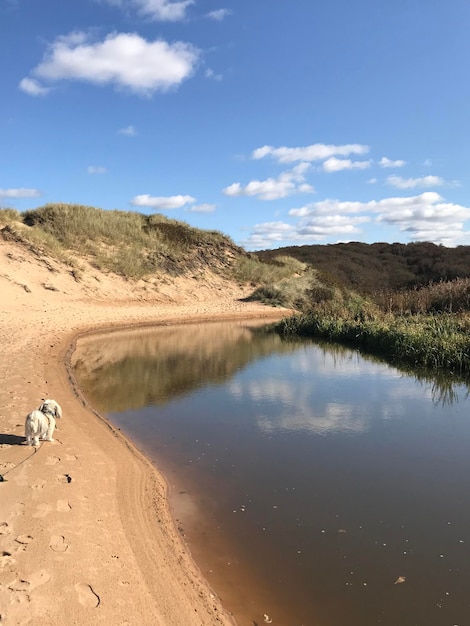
(430, 341)
(139, 246)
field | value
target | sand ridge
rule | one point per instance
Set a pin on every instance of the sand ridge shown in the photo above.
(86, 535)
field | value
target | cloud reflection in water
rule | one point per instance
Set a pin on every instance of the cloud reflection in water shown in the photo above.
(327, 392)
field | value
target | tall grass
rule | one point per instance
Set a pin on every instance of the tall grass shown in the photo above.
(136, 246)
(434, 341)
(427, 327)
(249, 269)
(38, 241)
(444, 296)
(127, 243)
(7, 216)
(282, 281)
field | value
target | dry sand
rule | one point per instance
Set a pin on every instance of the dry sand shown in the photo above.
(86, 534)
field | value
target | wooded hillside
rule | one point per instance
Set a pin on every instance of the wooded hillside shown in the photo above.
(381, 266)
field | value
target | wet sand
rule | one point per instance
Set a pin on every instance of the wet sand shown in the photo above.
(86, 533)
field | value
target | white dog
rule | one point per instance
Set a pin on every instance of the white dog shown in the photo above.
(40, 423)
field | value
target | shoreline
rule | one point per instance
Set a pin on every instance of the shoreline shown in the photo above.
(160, 481)
(86, 530)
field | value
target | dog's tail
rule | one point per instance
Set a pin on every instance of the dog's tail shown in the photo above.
(33, 425)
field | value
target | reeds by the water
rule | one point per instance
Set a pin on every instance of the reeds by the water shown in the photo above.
(435, 341)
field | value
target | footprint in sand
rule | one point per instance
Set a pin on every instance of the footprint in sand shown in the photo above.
(39, 485)
(86, 596)
(24, 539)
(4, 528)
(39, 578)
(35, 580)
(52, 460)
(21, 477)
(42, 510)
(63, 506)
(71, 457)
(58, 543)
(64, 478)
(6, 559)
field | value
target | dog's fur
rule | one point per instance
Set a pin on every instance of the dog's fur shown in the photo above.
(40, 423)
(51, 407)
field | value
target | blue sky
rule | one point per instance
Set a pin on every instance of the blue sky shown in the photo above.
(277, 122)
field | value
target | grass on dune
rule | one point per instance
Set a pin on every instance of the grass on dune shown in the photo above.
(135, 246)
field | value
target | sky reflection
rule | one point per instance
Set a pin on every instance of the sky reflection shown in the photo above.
(349, 393)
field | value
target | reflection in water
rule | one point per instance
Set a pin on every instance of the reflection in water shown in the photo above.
(140, 368)
(308, 478)
(445, 386)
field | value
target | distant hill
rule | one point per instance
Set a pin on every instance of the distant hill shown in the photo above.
(380, 266)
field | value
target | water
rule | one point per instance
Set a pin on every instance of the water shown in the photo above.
(314, 487)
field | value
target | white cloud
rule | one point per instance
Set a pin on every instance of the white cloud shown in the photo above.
(286, 184)
(19, 193)
(96, 169)
(316, 229)
(164, 10)
(334, 164)
(315, 152)
(115, 3)
(425, 217)
(158, 10)
(323, 226)
(162, 202)
(33, 87)
(384, 162)
(129, 131)
(372, 181)
(269, 234)
(209, 73)
(412, 183)
(125, 60)
(329, 207)
(219, 14)
(202, 208)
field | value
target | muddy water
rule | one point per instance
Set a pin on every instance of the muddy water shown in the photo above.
(313, 486)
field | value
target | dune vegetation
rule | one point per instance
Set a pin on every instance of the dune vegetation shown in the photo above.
(137, 246)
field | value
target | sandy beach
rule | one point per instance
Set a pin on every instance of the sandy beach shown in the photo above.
(86, 533)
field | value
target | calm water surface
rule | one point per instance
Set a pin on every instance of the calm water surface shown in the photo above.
(307, 480)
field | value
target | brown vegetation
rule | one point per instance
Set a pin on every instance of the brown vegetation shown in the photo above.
(369, 268)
